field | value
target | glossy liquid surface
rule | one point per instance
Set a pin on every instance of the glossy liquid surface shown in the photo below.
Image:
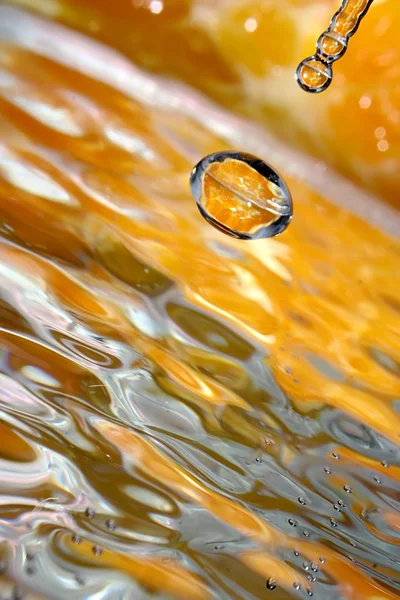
(182, 415)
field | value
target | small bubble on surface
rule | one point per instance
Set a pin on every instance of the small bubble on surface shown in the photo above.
(97, 550)
(111, 524)
(302, 500)
(90, 513)
(271, 584)
(241, 195)
(292, 522)
(311, 578)
(347, 489)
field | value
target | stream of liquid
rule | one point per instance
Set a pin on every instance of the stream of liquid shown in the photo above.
(183, 415)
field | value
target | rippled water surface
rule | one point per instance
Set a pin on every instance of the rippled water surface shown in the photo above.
(183, 415)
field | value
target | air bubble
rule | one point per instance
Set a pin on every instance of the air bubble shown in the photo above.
(90, 513)
(271, 584)
(97, 550)
(292, 522)
(241, 195)
(302, 500)
(312, 578)
(347, 489)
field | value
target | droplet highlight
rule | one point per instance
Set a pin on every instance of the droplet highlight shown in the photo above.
(241, 195)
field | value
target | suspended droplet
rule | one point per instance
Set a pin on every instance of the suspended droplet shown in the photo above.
(241, 195)
(90, 513)
(347, 489)
(292, 522)
(271, 584)
(302, 500)
(314, 75)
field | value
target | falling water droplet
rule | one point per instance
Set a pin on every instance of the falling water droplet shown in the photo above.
(327, 470)
(241, 195)
(292, 522)
(347, 489)
(97, 550)
(302, 500)
(271, 584)
(90, 513)
(314, 74)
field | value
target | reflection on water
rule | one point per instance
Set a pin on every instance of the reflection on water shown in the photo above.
(182, 415)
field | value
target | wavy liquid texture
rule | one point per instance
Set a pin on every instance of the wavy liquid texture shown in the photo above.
(244, 53)
(182, 415)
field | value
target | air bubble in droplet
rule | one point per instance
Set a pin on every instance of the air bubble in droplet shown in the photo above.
(97, 550)
(292, 522)
(271, 584)
(327, 470)
(347, 489)
(90, 513)
(297, 586)
(111, 525)
(302, 500)
(241, 195)
(377, 479)
(314, 75)
(333, 522)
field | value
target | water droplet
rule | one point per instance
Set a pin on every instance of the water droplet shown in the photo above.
(271, 584)
(347, 489)
(341, 504)
(314, 567)
(79, 580)
(322, 559)
(219, 547)
(258, 459)
(30, 556)
(76, 538)
(241, 195)
(296, 553)
(111, 525)
(385, 464)
(17, 594)
(306, 566)
(306, 533)
(335, 455)
(333, 522)
(314, 75)
(292, 522)
(90, 513)
(327, 470)
(309, 592)
(377, 479)
(302, 500)
(312, 578)
(337, 507)
(297, 586)
(97, 550)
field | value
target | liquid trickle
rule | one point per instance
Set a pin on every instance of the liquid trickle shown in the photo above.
(314, 74)
(241, 195)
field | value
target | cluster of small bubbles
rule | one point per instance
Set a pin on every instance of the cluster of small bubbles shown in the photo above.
(90, 513)
(335, 455)
(111, 524)
(377, 479)
(292, 522)
(271, 584)
(297, 586)
(347, 489)
(385, 464)
(314, 74)
(76, 538)
(302, 500)
(333, 522)
(97, 550)
(327, 470)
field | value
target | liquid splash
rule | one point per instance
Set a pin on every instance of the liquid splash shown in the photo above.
(314, 74)
(167, 393)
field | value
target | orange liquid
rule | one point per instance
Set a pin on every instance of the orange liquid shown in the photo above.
(189, 387)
